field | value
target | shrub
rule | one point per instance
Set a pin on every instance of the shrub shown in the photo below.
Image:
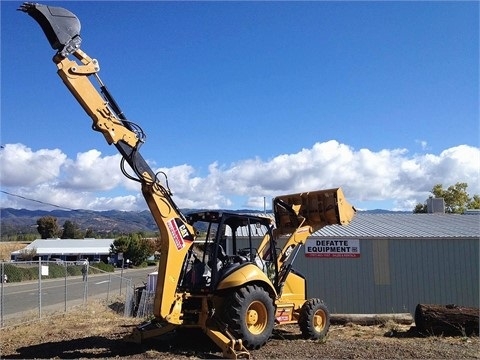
(56, 271)
(104, 267)
(29, 273)
(74, 270)
(151, 263)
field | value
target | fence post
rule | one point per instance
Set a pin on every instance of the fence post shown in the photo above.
(85, 280)
(1, 295)
(128, 298)
(108, 287)
(121, 278)
(39, 287)
(66, 291)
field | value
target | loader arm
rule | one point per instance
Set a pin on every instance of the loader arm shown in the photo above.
(299, 215)
(62, 29)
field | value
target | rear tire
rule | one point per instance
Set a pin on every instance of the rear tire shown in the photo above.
(250, 316)
(314, 320)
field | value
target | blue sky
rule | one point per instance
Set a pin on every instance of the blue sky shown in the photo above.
(243, 101)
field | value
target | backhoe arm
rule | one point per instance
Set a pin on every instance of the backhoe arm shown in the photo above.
(62, 29)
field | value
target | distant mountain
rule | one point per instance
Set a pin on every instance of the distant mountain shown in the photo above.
(22, 221)
(17, 221)
(382, 211)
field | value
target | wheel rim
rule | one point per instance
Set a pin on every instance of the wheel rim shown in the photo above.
(319, 320)
(257, 317)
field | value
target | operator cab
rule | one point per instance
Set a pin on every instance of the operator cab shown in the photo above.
(224, 242)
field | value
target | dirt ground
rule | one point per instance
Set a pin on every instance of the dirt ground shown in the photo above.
(92, 332)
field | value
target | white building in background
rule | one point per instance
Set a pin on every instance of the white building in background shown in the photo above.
(67, 250)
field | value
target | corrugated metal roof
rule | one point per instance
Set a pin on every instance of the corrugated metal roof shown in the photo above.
(406, 226)
(70, 246)
(243, 231)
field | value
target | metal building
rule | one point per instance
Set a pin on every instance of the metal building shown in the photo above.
(389, 263)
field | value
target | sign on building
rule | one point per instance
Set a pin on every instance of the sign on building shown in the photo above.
(333, 248)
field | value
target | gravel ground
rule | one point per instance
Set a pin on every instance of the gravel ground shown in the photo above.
(93, 333)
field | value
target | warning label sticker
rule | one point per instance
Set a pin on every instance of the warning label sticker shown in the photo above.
(179, 233)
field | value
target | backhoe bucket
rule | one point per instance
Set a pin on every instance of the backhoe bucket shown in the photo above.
(61, 27)
(316, 209)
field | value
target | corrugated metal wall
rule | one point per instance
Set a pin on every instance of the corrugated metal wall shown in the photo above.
(393, 276)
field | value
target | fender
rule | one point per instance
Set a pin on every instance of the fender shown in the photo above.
(246, 274)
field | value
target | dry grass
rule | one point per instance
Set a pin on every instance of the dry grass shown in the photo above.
(7, 247)
(91, 320)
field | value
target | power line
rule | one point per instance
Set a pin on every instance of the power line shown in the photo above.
(38, 201)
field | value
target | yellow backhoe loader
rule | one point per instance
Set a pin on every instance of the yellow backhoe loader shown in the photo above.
(227, 273)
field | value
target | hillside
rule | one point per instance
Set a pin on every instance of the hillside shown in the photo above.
(22, 221)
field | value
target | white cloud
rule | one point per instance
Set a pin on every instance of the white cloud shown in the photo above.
(20, 166)
(423, 144)
(93, 181)
(92, 172)
(191, 191)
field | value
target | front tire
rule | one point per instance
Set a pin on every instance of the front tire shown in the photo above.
(314, 320)
(250, 316)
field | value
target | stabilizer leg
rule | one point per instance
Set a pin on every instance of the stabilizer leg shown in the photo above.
(149, 330)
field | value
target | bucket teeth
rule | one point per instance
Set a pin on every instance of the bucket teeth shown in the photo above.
(61, 27)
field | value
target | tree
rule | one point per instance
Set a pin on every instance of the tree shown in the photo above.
(90, 233)
(157, 244)
(134, 248)
(120, 245)
(47, 227)
(71, 230)
(420, 208)
(28, 254)
(139, 250)
(475, 202)
(455, 197)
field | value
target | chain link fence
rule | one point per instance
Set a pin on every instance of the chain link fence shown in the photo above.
(143, 303)
(32, 290)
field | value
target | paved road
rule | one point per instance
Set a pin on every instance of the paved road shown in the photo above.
(33, 298)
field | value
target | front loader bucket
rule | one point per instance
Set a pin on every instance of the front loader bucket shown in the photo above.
(61, 27)
(316, 209)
